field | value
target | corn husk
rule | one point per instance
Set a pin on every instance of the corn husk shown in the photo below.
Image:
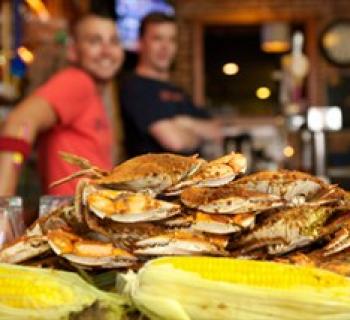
(206, 288)
(32, 293)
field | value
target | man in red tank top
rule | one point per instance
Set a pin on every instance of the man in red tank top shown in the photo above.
(67, 112)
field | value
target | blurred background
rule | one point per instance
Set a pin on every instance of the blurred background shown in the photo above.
(275, 71)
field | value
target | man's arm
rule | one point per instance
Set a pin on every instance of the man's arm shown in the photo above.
(206, 129)
(184, 133)
(173, 137)
(30, 117)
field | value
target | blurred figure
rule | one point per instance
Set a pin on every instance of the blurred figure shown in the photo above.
(157, 115)
(67, 112)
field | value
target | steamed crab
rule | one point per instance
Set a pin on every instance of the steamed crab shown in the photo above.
(126, 194)
(54, 233)
(64, 243)
(296, 227)
(294, 187)
(162, 172)
(87, 252)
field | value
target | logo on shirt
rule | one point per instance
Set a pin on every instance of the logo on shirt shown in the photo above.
(170, 96)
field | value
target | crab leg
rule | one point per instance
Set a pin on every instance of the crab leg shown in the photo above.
(86, 172)
(82, 163)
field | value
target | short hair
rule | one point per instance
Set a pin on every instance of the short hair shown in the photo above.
(155, 17)
(103, 9)
(74, 25)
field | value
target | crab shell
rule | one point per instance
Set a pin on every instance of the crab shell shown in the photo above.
(182, 243)
(213, 174)
(24, 248)
(151, 171)
(222, 224)
(88, 252)
(229, 199)
(293, 186)
(130, 207)
(286, 230)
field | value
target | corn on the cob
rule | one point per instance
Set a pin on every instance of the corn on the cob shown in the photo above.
(33, 293)
(205, 288)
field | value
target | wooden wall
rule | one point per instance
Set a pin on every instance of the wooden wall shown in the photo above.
(194, 14)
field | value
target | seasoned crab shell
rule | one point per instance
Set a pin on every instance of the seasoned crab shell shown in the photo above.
(293, 186)
(88, 252)
(286, 230)
(129, 207)
(228, 199)
(151, 171)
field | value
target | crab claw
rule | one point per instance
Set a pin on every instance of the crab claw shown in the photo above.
(88, 252)
(182, 243)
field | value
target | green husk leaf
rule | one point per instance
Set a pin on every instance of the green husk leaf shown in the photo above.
(28, 293)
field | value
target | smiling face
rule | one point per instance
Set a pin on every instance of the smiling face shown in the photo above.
(96, 47)
(158, 45)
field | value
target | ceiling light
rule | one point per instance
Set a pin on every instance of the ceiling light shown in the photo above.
(39, 8)
(324, 118)
(288, 151)
(275, 37)
(263, 93)
(230, 69)
(26, 55)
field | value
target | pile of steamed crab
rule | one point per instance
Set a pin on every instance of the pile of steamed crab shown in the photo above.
(165, 204)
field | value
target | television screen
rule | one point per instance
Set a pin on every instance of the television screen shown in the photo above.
(130, 13)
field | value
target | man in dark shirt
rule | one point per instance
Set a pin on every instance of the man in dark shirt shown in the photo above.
(157, 115)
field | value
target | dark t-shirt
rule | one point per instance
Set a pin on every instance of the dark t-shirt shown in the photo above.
(145, 101)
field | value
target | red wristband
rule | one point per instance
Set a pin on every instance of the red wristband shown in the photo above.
(19, 145)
